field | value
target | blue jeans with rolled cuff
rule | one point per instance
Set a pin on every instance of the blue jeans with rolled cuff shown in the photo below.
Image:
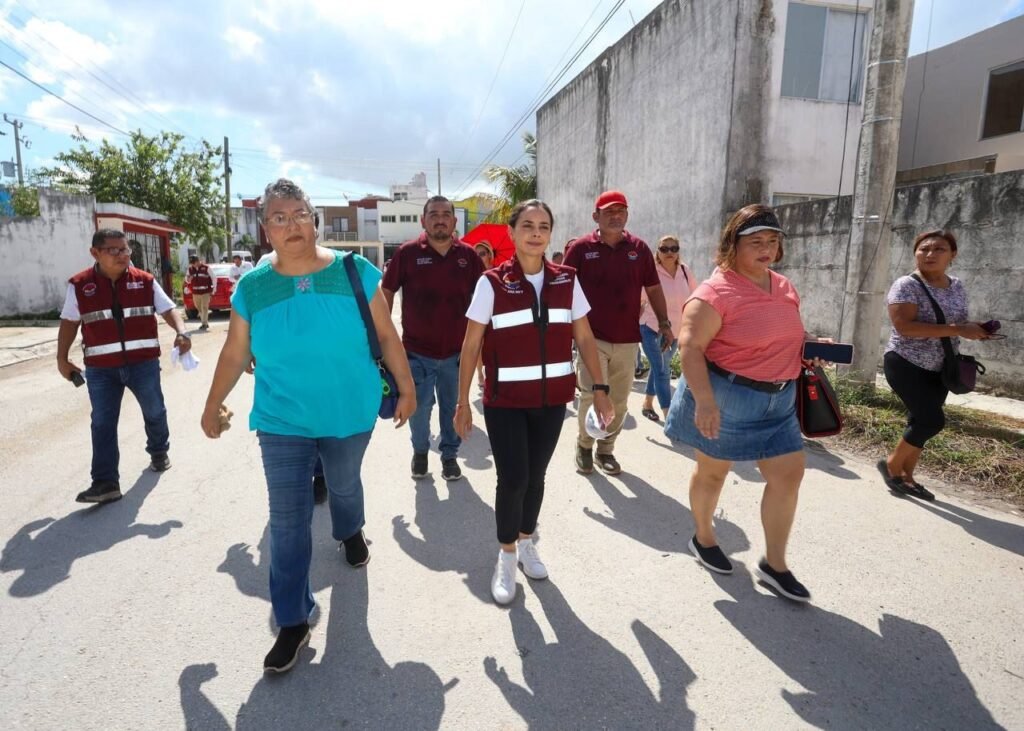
(441, 377)
(106, 391)
(659, 378)
(288, 463)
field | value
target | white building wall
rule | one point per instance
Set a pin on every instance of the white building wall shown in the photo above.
(805, 150)
(400, 231)
(42, 252)
(943, 109)
(367, 225)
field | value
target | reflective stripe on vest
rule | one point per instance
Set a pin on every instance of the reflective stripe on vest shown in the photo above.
(109, 315)
(525, 317)
(534, 373)
(116, 347)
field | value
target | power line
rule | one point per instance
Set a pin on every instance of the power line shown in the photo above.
(58, 96)
(494, 78)
(534, 105)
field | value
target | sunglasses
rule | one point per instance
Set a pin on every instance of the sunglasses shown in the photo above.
(668, 249)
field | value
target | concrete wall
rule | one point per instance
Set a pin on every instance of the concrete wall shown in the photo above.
(41, 253)
(649, 117)
(684, 115)
(985, 213)
(942, 121)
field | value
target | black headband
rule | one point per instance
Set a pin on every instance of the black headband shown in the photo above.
(764, 221)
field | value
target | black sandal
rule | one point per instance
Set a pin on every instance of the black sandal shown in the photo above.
(651, 414)
(919, 491)
(896, 485)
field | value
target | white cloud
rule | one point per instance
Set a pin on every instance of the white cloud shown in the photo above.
(242, 43)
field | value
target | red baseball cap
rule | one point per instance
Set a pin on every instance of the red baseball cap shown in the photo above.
(610, 198)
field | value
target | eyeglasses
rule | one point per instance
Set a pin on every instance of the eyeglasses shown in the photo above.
(116, 250)
(668, 249)
(280, 220)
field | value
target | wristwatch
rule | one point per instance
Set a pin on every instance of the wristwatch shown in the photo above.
(183, 335)
(600, 387)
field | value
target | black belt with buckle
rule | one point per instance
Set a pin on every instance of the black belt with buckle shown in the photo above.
(766, 386)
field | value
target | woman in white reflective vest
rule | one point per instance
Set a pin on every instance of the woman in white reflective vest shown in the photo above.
(523, 319)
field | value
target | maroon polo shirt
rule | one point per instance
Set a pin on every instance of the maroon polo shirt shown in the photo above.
(436, 292)
(612, 278)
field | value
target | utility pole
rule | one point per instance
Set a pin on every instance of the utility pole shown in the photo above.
(227, 197)
(439, 176)
(17, 145)
(867, 276)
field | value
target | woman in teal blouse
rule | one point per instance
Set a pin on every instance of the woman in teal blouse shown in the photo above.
(317, 393)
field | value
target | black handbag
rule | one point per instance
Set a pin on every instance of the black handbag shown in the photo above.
(388, 385)
(817, 407)
(959, 372)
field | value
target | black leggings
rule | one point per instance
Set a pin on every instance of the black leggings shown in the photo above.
(922, 392)
(522, 442)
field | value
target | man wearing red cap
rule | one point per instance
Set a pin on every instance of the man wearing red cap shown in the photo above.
(613, 266)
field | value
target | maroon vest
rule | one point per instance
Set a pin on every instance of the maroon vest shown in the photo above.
(527, 349)
(118, 323)
(201, 281)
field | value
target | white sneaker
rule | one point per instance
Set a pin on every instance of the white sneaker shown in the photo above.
(529, 559)
(503, 583)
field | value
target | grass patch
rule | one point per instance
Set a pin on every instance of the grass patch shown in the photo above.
(977, 448)
(177, 281)
(50, 315)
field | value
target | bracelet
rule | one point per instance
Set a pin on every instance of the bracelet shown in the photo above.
(183, 335)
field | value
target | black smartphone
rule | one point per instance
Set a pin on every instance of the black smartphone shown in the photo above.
(77, 379)
(832, 352)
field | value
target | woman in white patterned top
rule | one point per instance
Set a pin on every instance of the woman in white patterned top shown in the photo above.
(914, 355)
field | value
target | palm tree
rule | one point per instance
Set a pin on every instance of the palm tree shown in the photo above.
(515, 183)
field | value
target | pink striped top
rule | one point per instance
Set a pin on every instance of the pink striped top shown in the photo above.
(762, 335)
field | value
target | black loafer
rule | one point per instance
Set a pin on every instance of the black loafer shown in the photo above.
(651, 414)
(895, 484)
(783, 582)
(285, 652)
(711, 557)
(916, 489)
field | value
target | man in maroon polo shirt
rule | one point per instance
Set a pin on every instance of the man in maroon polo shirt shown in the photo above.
(613, 266)
(437, 274)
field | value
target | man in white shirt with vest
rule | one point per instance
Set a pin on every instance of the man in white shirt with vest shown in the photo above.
(115, 305)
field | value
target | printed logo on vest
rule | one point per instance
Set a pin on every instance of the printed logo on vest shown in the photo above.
(561, 279)
(89, 289)
(463, 263)
(135, 285)
(592, 255)
(632, 256)
(424, 260)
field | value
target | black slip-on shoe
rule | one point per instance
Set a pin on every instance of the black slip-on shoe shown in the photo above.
(783, 582)
(916, 489)
(285, 652)
(711, 557)
(100, 492)
(357, 553)
(895, 484)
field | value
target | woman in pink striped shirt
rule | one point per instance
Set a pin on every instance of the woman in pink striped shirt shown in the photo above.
(741, 343)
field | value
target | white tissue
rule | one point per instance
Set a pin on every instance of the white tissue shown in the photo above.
(188, 361)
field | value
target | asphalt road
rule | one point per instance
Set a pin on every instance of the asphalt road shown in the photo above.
(153, 612)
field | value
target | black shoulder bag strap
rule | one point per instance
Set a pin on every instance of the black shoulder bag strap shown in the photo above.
(940, 318)
(364, 306)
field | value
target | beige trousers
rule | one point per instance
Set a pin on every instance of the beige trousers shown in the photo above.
(618, 364)
(202, 303)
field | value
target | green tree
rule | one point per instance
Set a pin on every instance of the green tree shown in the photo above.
(24, 199)
(516, 183)
(157, 173)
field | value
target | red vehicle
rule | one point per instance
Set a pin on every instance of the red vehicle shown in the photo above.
(221, 299)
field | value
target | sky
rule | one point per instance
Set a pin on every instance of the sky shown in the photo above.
(338, 95)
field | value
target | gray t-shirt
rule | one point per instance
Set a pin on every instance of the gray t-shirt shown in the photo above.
(926, 352)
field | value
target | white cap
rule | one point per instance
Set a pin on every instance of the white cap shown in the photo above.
(594, 426)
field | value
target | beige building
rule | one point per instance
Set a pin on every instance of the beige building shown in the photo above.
(963, 107)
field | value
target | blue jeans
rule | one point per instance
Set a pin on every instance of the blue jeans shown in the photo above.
(288, 465)
(106, 390)
(441, 376)
(660, 375)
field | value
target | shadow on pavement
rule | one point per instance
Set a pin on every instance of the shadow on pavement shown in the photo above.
(654, 519)
(903, 676)
(45, 549)
(251, 574)
(476, 450)
(583, 681)
(458, 534)
(351, 686)
(819, 458)
(998, 533)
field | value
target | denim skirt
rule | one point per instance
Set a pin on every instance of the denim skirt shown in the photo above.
(755, 424)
